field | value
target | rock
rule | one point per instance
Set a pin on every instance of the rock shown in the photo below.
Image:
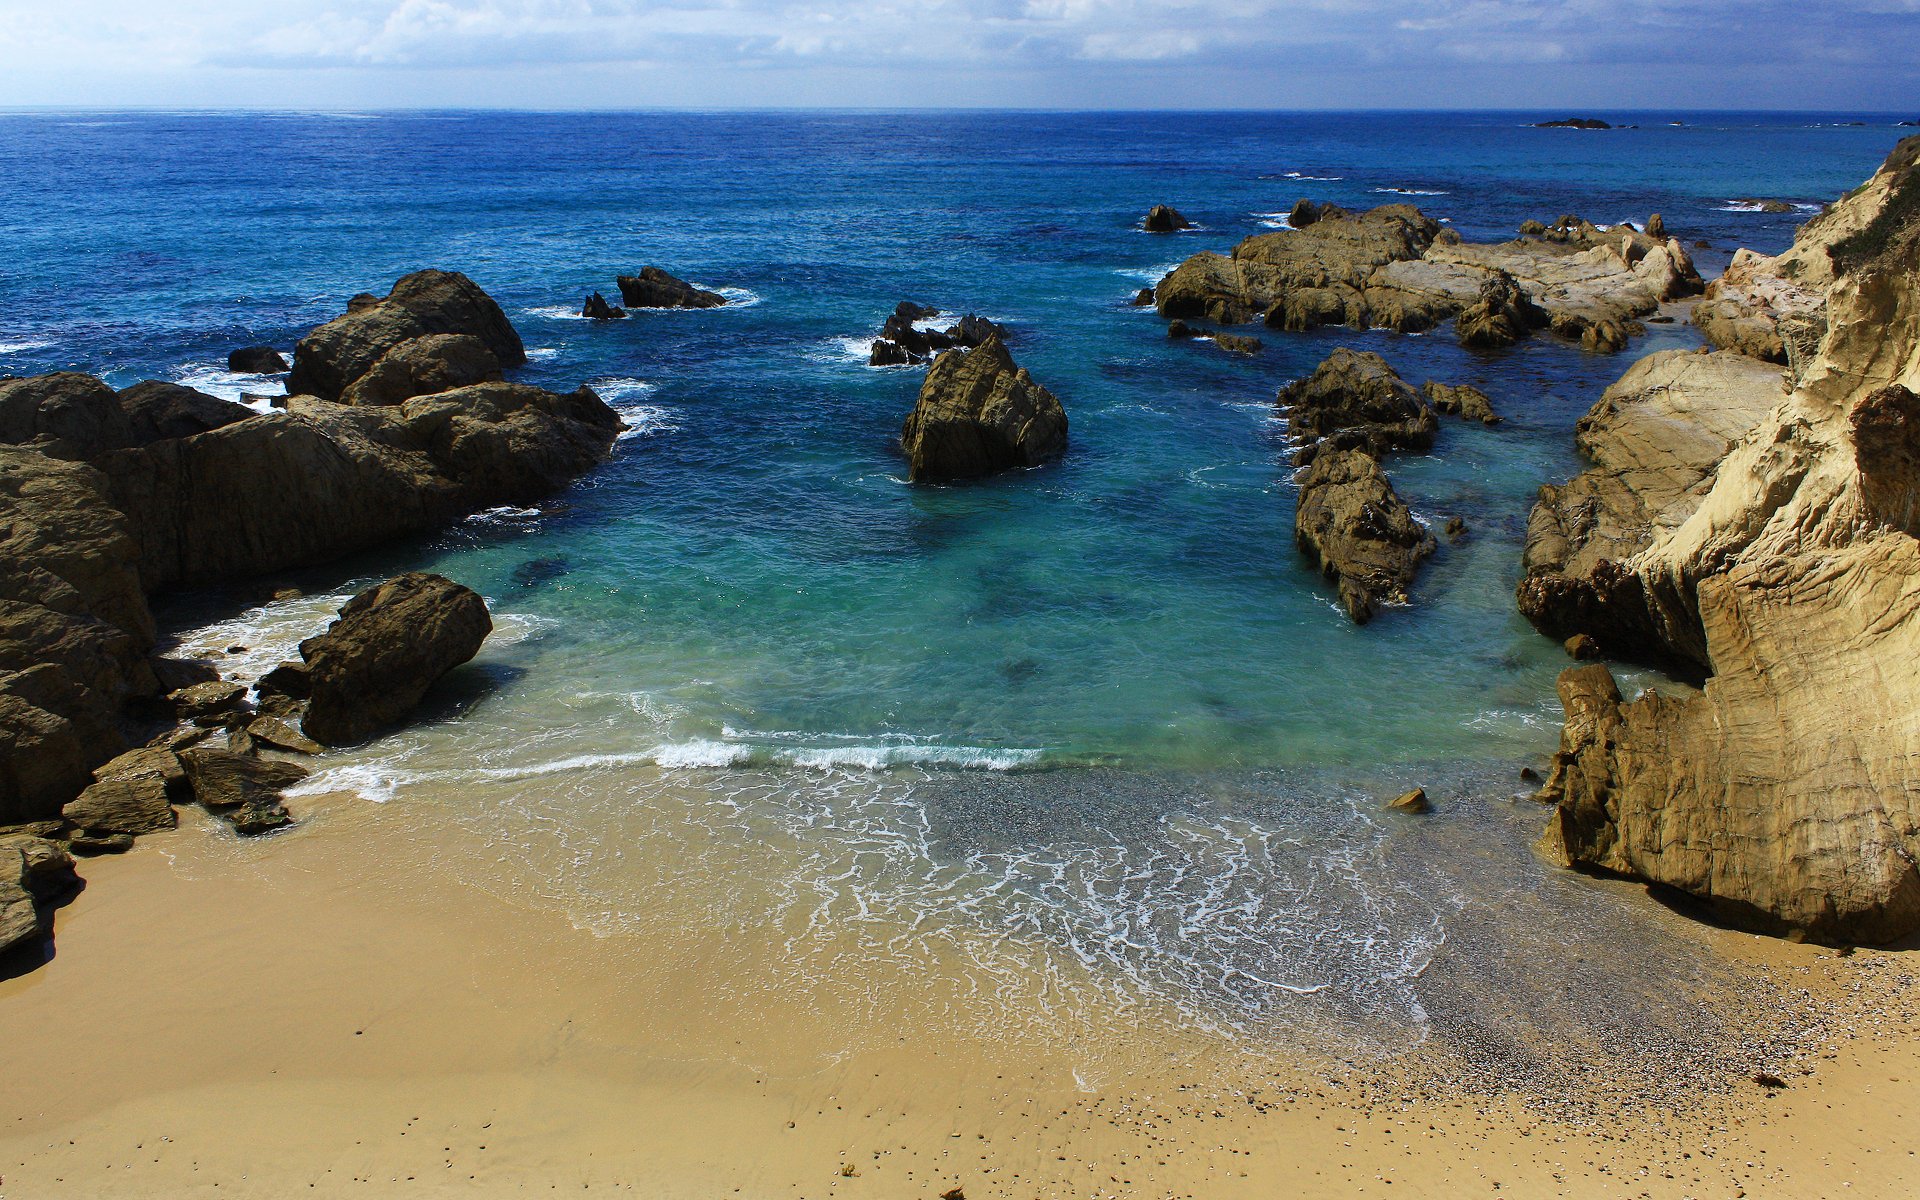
(1529, 775)
(1459, 400)
(222, 779)
(209, 703)
(241, 742)
(64, 415)
(1580, 647)
(256, 817)
(1414, 801)
(1163, 218)
(270, 731)
(1236, 344)
(903, 341)
(1396, 268)
(1532, 229)
(1656, 226)
(177, 674)
(256, 360)
(146, 762)
(328, 360)
(1765, 205)
(1357, 394)
(596, 308)
(1180, 330)
(978, 413)
(888, 354)
(1780, 794)
(654, 288)
(289, 681)
(158, 411)
(1143, 298)
(1654, 439)
(1305, 212)
(1358, 532)
(33, 873)
(390, 644)
(424, 366)
(1573, 123)
(1501, 316)
(1456, 528)
(134, 805)
(85, 841)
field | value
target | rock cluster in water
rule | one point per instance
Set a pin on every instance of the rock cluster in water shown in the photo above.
(400, 424)
(1395, 267)
(902, 341)
(1761, 526)
(653, 287)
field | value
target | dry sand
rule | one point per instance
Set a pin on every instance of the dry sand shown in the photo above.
(331, 1013)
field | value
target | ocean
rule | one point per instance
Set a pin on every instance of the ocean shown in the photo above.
(1096, 726)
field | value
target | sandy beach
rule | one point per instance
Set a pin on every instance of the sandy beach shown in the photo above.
(333, 1012)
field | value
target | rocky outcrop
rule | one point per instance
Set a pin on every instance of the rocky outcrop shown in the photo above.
(1357, 531)
(1164, 218)
(655, 288)
(328, 360)
(979, 413)
(242, 789)
(424, 366)
(1783, 794)
(1356, 397)
(390, 644)
(1573, 123)
(256, 360)
(105, 498)
(1396, 268)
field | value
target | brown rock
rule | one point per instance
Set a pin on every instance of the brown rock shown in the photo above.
(1501, 315)
(424, 366)
(65, 415)
(209, 703)
(222, 779)
(1581, 647)
(1414, 801)
(1163, 218)
(979, 413)
(256, 360)
(333, 356)
(390, 644)
(1459, 400)
(1357, 393)
(133, 805)
(1358, 532)
(157, 411)
(1236, 344)
(274, 732)
(33, 873)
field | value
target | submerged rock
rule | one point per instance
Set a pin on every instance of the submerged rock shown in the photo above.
(655, 288)
(979, 413)
(390, 644)
(1414, 801)
(1358, 532)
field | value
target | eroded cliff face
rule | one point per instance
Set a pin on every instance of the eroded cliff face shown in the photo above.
(1787, 793)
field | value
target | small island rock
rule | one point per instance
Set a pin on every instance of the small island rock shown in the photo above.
(979, 413)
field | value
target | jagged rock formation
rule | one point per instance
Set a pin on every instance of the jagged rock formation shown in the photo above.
(902, 341)
(1358, 532)
(1459, 400)
(1397, 268)
(596, 308)
(1357, 398)
(655, 288)
(105, 498)
(1786, 794)
(979, 413)
(390, 644)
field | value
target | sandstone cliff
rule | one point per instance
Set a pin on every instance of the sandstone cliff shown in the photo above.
(1786, 794)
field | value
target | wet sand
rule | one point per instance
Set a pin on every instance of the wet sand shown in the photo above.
(334, 1013)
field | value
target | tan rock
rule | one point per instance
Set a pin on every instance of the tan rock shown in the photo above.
(978, 413)
(1414, 801)
(1358, 532)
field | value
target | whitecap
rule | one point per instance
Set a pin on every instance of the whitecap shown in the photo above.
(1304, 178)
(646, 420)
(1402, 191)
(23, 347)
(543, 354)
(556, 312)
(216, 380)
(613, 388)
(505, 514)
(1274, 220)
(1148, 274)
(738, 297)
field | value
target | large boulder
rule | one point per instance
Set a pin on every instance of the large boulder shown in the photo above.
(655, 288)
(1356, 394)
(1164, 218)
(1782, 794)
(424, 366)
(1460, 400)
(1357, 531)
(389, 645)
(336, 354)
(979, 413)
(158, 411)
(133, 804)
(64, 415)
(1501, 315)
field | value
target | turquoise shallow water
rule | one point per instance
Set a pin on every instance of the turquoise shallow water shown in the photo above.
(749, 599)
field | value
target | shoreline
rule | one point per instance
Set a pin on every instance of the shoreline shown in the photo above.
(330, 1008)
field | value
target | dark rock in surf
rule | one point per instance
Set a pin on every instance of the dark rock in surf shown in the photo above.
(1164, 218)
(390, 644)
(655, 288)
(596, 308)
(256, 360)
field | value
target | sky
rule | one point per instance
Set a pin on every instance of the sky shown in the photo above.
(1830, 55)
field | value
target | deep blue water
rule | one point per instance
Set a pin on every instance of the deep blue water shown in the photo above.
(709, 645)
